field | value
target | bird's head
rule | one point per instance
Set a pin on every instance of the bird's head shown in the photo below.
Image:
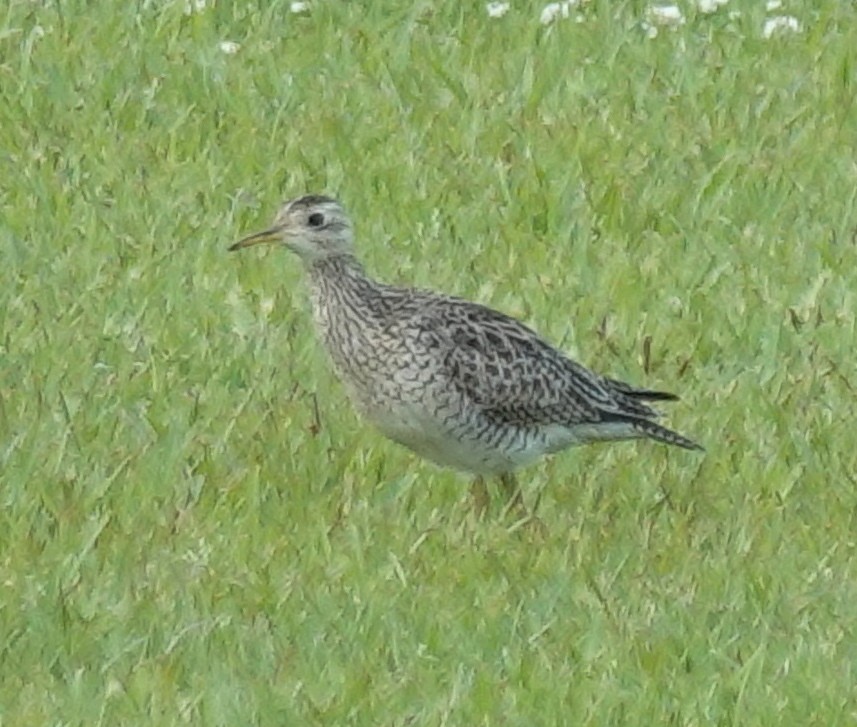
(313, 226)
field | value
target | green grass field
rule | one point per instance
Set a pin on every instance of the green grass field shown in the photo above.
(194, 526)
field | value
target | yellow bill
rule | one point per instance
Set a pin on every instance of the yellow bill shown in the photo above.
(272, 234)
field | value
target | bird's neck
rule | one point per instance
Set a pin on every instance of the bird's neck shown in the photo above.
(345, 304)
(340, 271)
(339, 281)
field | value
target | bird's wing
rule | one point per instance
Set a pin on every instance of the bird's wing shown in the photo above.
(509, 371)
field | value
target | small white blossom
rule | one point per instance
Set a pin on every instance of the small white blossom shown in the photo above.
(772, 5)
(710, 6)
(497, 10)
(552, 11)
(669, 15)
(229, 47)
(194, 6)
(780, 23)
(650, 30)
(299, 7)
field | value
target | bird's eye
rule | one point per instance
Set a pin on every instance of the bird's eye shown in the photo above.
(316, 219)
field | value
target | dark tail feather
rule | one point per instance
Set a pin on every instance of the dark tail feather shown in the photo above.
(640, 416)
(641, 394)
(662, 434)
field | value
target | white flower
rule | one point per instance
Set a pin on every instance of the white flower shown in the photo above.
(194, 6)
(669, 15)
(650, 30)
(780, 23)
(299, 7)
(497, 10)
(552, 11)
(710, 6)
(229, 47)
(772, 5)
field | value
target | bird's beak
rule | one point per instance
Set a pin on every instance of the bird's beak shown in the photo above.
(272, 234)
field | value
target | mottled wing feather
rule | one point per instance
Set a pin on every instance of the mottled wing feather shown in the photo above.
(512, 374)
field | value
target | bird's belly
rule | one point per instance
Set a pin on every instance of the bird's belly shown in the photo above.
(430, 439)
(447, 439)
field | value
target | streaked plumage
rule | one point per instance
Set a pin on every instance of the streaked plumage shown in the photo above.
(458, 383)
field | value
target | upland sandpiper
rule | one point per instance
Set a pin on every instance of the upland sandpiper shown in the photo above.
(458, 383)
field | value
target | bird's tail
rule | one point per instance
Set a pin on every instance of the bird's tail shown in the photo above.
(641, 394)
(654, 431)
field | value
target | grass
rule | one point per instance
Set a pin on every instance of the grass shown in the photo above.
(194, 529)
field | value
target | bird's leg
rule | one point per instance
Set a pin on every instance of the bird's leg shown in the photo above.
(513, 494)
(479, 498)
(515, 501)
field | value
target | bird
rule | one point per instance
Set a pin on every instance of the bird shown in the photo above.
(459, 383)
